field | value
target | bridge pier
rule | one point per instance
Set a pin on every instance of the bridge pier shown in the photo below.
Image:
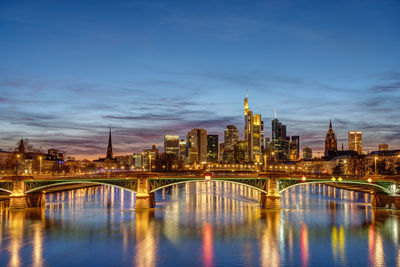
(271, 200)
(144, 199)
(20, 200)
(380, 200)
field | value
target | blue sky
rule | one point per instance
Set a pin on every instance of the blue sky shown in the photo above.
(69, 69)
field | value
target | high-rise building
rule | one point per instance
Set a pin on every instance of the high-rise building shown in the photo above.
(231, 136)
(295, 148)
(383, 147)
(307, 153)
(330, 141)
(355, 141)
(280, 141)
(252, 133)
(182, 149)
(212, 148)
(171, 145)
(196, 143)
(240, 151)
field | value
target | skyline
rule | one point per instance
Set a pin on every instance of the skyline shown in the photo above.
(151, 69)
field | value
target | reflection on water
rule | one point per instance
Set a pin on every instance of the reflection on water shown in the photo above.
(201, 224)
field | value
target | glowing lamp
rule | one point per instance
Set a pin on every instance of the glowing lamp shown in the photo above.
(207, 177)
(340, 179)
(303, 178)
(333, 179)
(369, 180)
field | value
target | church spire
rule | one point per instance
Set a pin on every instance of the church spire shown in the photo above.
(330, 124)
(109, 148)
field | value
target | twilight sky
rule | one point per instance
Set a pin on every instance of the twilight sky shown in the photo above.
(70, 69)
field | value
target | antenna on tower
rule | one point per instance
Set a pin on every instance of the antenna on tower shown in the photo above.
(247, 93)
(275, 113)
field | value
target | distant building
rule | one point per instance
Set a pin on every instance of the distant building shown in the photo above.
(182, 150)
(383, 147)
(212, 148)
(330, 141)
(355, 141)
(280, 141)
(307, 153)
(252, 134)
(109, 147)
(295, 148)
(196, 143)
(171, 145)
(137, 159)
(149, 157)
(231, 136)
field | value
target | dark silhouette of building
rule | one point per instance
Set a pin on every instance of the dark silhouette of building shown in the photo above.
(212, 148)
(330, 141)
(109, 148)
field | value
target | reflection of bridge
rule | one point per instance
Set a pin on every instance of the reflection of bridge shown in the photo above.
(29, 192)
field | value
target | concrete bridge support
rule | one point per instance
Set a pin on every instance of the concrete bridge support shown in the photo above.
(271, 200)
(20, 200)
(144, 199)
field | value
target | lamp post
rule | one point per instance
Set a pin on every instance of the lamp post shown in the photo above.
(16, 165)
(265, 162)
(40, 165)
(149, 162)
(375, 164)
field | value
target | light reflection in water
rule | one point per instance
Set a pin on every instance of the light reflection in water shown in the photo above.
(208, 250)
(202, 224)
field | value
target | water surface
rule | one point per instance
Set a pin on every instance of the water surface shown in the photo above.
(201, 224)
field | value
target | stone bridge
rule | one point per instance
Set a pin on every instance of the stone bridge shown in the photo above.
(30, 191)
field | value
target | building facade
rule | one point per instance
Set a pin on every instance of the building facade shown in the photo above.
(171, 145)
(355, 141)
(212, 148)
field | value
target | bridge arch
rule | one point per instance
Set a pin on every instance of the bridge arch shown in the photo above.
(369, 186)
(5, 190)
(204, 181)
(55, 184)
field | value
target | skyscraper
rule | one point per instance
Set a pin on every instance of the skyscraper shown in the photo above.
(252, 133)
(330, 141)
(231, 136)
(171, 145)
(355, 141)
(196, 144)
(295, 148)
(280, 141)
(212, 148)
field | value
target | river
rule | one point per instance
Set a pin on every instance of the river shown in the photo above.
(201, 224)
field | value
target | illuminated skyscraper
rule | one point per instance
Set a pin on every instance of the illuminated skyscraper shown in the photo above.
(330, 141)
(252, 133)
(231, 136)
(171, 145)
(212, 148)
(355, 141)
(196, 144)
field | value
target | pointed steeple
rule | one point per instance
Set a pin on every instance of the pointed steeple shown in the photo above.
(330, 124)
(109, 148)
(21, 146)
(342, 146)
